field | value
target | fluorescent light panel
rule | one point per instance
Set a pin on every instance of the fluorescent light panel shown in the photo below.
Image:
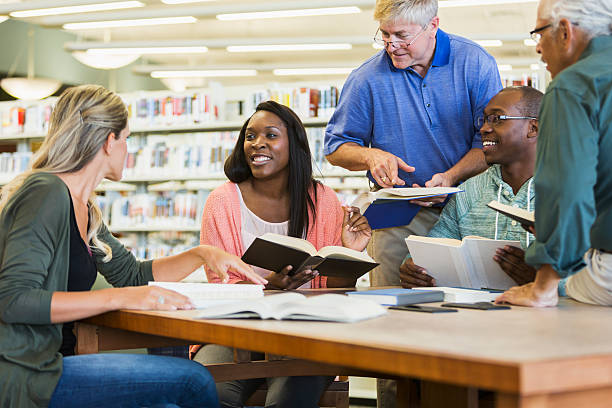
(313, 71)
(147, 50)
(289, 13)
(85, 8)
(183, 1)
(288, 47)
(201, 73)
(467, 3)
(529, 42)
(490, 43)
(504, 67)
(536, 67)
(130, 23)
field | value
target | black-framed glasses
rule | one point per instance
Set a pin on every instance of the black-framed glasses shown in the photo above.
(403, 41)
(495, 120)
(536, 33)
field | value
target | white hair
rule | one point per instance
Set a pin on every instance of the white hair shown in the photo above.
(412, 11)
(592, 16)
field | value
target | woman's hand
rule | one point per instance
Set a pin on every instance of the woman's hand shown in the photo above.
(282, 279)
(148, 298)
(356, 231)
(220, 262)
(412, 275)
(512, 261)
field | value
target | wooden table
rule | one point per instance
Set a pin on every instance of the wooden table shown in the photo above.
(558, 357)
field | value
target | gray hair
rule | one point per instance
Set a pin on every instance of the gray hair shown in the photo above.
(412, 11)
(592, 16)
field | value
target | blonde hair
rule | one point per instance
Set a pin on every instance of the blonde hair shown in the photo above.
(81, 121)
(412, 11)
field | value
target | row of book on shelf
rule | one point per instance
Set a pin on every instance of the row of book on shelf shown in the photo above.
(191, 155)
(151, 110)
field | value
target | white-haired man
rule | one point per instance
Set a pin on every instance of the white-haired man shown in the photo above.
(573, 176)
(408, 116)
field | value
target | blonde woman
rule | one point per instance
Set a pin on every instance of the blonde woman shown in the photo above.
(52, 242)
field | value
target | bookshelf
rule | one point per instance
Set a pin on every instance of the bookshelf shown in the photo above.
(176, 151)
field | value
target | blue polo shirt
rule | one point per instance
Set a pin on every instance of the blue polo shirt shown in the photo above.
(429, 122)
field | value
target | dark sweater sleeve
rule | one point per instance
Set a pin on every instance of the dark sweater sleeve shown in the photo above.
(123, 269)
(34, 222)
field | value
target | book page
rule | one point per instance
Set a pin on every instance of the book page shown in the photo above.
(291, 242)
(490, 274)
(332, 307)
(414, 192)
(340, 252)
(203, 295)
(438, 256)
(267, 307)
(519, 214)
(363, 201)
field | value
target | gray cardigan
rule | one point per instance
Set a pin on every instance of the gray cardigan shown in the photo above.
(34, 258)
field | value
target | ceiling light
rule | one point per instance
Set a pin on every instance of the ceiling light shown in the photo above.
(289, 13)
(106, 61)
(147, 50)
(85, 8)
(504, 67)
(183, 1)
(377, 46)
(30, 88)
(313, 71)
(536, 67)
(3, 18)
(204, 73)
(466, 3)
(529, 42)
(490, 43)
(130, 23)
(288, 47)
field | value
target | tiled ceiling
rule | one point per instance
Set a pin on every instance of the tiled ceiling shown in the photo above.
(507, 22)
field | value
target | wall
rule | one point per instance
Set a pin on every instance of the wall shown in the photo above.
(52, 61)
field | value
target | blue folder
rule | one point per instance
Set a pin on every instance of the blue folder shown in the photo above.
(390, 213)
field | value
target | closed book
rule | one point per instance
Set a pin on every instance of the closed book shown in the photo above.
(518, 214)
(462, 295)
(399, 297)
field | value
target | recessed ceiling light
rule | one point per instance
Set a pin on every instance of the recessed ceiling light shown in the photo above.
(147, 50)
(203, 73)
(130, 23)
(85, 8)
(288, 47)
(313, 71)
(529, 42)
(290, 13)
(490, 43)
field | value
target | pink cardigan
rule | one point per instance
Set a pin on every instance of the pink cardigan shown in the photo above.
(221, 225)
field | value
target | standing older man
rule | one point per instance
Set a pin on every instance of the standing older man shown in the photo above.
(573, 177)
(408, 115)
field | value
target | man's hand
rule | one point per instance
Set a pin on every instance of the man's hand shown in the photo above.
(412, 275)
(542, 292)
(384, 166)
(512, 261)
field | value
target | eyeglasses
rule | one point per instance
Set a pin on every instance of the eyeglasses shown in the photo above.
(536, 35)
(402, 42)
(495, 120)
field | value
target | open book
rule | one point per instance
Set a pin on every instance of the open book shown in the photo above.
(204, 295)
(274, 252)
(518, 214)
(391, 207)
(468, 263)
(295, 306)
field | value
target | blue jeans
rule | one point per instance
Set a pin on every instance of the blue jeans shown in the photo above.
(133, 380)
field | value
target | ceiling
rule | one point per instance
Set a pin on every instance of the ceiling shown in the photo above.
(507, 22)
